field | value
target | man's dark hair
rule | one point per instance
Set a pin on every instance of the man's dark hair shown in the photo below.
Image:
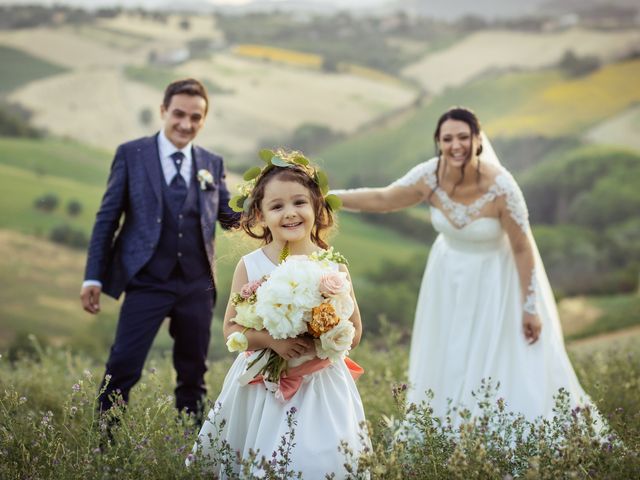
(188, 86)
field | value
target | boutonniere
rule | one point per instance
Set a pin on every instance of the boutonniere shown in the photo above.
(205, 178)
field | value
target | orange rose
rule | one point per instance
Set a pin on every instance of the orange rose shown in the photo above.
(323, 319)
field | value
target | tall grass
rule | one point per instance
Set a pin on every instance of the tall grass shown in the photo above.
(49, 427)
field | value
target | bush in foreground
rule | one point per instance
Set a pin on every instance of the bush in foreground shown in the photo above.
(49, 427)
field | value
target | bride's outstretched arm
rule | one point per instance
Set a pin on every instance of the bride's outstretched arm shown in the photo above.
(407, 191)
(383, 199)
(515, 221)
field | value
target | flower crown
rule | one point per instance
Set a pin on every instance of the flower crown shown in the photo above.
(281, 158)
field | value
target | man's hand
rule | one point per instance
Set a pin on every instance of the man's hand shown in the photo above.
(90, 298)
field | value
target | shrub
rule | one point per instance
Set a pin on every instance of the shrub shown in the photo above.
(74, 208)
(47, 202)
(69, 236)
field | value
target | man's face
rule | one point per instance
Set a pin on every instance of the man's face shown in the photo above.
(183, 118)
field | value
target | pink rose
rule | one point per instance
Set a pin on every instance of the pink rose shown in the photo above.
(333, 283)
(250, 288)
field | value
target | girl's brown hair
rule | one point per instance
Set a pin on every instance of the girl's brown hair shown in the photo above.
(250, 221)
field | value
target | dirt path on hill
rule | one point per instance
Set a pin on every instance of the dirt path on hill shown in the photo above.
(606, 339)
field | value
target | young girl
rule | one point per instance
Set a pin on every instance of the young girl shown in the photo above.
(287, 209)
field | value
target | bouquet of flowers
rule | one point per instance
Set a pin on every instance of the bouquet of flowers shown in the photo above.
(304, 295)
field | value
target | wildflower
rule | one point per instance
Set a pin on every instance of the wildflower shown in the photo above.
(76, 387)
(22, 400)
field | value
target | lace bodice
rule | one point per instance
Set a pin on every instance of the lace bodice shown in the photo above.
(461, 214)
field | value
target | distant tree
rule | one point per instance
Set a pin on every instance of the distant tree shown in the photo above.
(199, 47)
(146, 116)
(109, 12)
(311, 137)
(470, 23)
(185, 24)
(159, 17)
(47, 202)
(575, 66)
(329, 64)
(69, 236)
(74, 208)
(14, 122)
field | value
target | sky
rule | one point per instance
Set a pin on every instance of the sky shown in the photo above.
(448, 9)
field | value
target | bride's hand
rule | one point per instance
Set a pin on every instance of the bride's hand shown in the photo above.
(290, 348)
(531, 326)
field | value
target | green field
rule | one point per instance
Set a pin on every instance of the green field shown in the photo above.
(43, 279)
(58, 158)
(508, 105)
(19, 68)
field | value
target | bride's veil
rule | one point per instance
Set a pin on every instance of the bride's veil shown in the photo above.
(545, 300)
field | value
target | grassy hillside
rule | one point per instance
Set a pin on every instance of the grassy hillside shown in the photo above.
(43, 279)
(20, 68)
(248, 95)
(508, 105)
(572, 105)
(492, 50)
(58, 158)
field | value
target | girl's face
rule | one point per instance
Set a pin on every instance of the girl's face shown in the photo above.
(287, 210)
(457, 143)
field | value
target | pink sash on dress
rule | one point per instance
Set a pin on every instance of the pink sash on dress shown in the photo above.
(291, 379)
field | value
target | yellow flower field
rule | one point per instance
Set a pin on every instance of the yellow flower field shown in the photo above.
(282, 55)
(572, 105)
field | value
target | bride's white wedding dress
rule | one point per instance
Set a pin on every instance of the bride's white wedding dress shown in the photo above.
(468, 323)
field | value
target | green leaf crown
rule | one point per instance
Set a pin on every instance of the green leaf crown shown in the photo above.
(281, 158)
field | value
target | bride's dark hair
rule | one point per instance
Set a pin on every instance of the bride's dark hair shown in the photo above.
(461, 114)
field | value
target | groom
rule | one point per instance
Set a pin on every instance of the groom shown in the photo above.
(170, 193)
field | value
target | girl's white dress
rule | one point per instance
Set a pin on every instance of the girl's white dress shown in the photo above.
(328, 410)
(468, 323)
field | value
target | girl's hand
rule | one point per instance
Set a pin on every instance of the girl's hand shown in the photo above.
(290, 348)
(531, 326)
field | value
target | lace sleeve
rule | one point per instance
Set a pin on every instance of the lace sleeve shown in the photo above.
(425, 171)
(516, 205)
(519, 231)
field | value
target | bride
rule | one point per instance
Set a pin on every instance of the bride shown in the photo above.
(485, 308)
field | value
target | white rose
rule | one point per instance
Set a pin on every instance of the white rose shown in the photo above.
(344, 305)
(247, 317)
(284, 321)
(335, 343)
(290, 292)
(237, 342)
